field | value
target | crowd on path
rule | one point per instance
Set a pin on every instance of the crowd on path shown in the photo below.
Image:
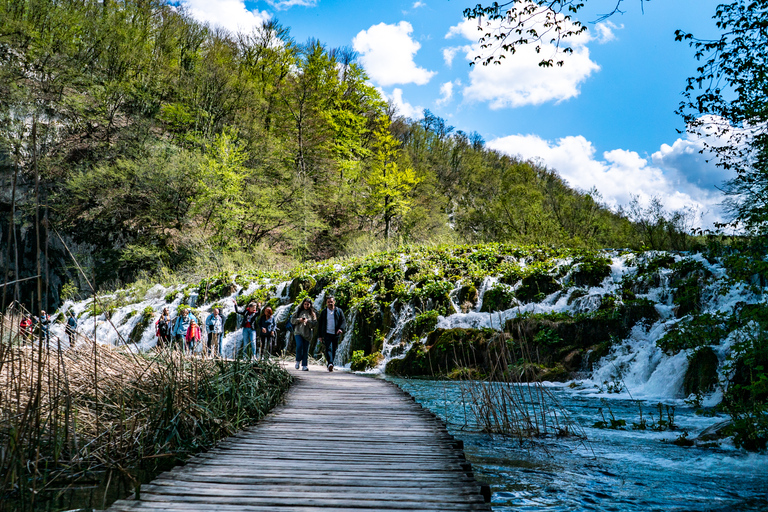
(259, 330)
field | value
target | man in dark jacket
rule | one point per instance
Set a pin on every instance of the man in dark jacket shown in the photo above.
(332, 325)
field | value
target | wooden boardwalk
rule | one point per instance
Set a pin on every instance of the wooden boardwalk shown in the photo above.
(341, 442)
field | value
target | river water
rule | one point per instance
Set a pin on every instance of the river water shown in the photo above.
(612, 470)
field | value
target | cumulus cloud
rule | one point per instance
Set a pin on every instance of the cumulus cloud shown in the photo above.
(232, 15)
(519, 80)
(416, 5)
(677, 173)
(387, 52)
(446, 93)
(402, 107)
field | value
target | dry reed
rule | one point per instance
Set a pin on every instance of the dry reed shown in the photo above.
(91, 407)
(508, 399)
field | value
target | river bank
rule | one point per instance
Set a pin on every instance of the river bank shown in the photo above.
(76, 421)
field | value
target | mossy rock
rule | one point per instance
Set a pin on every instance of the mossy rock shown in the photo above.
(361, 362)
(591, 272)
(215, 289)
(701, 375)
(300, 284)
(688, 279)
(231, 323)
(556, 373)
(448, 349)
(577, 293)
(144, 322)
(536, 286)
(596, 352)
(498, 298)
(369, 324)
(319, 286)
(468, 295)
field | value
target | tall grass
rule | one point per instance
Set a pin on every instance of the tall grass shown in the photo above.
(507, 398)
(90, 407)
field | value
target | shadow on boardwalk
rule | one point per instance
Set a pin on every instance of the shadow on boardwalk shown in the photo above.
(340, 442)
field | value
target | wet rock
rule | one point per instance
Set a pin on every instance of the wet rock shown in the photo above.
(468, 294)
(714, 432)
(299, 285)
(536, 286)
(701, 375)
(572, 362)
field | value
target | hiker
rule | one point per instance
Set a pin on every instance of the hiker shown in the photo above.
(332, 325)
(267, 332)
(193, 336)
(163, 332)
(25, 327)
(181, 326)
(303, 321)
(71, 328)
(249, 323)
(214, 324)
(45, 321)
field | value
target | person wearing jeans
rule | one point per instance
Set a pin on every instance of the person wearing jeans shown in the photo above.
(303, 321)
(250, 325)
(332, 325)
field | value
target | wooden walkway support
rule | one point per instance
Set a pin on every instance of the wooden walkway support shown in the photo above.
(340, 442)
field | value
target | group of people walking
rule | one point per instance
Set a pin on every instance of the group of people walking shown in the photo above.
(331, 325)
(259, 330)
(185, 332)
(42, 323)
(259, 336)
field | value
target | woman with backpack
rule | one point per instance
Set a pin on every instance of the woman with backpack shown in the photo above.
(163, 333)
(266, 332)
(303, 321)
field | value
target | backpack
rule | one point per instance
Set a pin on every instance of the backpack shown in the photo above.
(164, 327)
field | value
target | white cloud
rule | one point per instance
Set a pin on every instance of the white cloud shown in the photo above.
(287, 4)
(402, 107)
(417, 4)
(677, 174)
(450, 52)
(446, 93)
(229, 14)
(604, 32)
(519, 80)
(387, 51)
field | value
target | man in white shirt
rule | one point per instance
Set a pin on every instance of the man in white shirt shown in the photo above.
(332, 325)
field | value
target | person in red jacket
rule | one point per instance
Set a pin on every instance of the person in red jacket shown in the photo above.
(193, 336)
(25, 327)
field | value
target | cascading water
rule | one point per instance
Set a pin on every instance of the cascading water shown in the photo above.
(637, 363)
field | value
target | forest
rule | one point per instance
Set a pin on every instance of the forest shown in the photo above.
(144, 142)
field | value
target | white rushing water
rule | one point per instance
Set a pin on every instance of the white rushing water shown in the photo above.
(642, 369)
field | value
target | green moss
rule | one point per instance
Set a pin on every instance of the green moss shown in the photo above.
(360, 362)
(590, 270)
(498, 298)
(424, 323)
(701, 375)
(445, 350)
(147, 315)
(230, 323)
(536, 286)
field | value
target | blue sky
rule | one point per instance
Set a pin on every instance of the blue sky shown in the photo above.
(604, 120)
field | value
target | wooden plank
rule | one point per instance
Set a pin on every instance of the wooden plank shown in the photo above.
(378, 450)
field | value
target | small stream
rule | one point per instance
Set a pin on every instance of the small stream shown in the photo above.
(613, 470)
